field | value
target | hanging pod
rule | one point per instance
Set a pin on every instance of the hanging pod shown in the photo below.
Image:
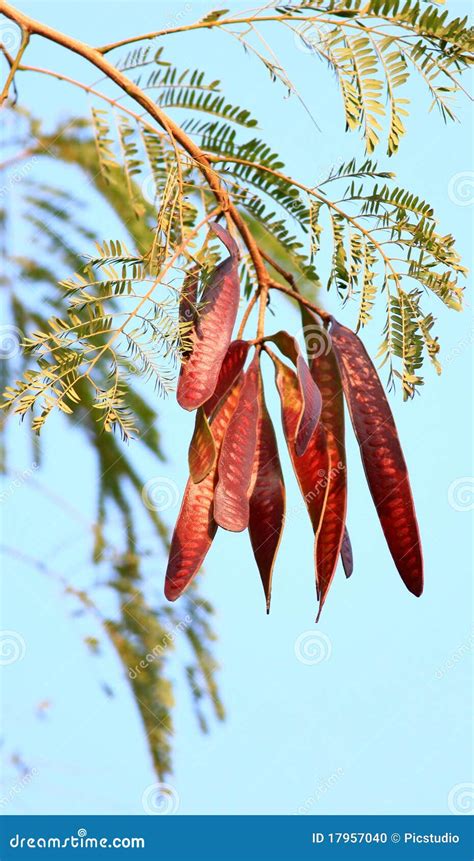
(195, 528)
(237, 457)
(212, 331)
(381, 453)
(325, 372)
(267, 501)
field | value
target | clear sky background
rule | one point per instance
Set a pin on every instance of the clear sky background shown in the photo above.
(381, 725)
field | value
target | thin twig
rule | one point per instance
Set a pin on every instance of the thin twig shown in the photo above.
(175, 132)
(276, 285)
(25, 38)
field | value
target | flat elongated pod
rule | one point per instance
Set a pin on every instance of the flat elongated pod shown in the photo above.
(212, 332)
(311, 468)
(325, 372)
(234, 361)
(346, 554)
(267, 502)
(237, 457)
(382, 456)
(310, 397)
(195, 528)
(202, 448)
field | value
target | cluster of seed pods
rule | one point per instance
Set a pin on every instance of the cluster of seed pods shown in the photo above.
(236, 480)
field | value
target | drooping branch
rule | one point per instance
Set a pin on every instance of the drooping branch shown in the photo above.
(32, 27)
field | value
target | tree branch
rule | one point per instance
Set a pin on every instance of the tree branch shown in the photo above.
(96, 58)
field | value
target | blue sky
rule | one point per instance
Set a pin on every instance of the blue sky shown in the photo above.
(381, 725)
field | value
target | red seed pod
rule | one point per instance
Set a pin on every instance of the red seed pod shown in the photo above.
(237, 457)
(212, 333)
(346, 554)
(231, 367)
(325, 372)
(310, 396)
(381, 453)
(311, 468)
(267, 502)
(202, 448)
(196, 527)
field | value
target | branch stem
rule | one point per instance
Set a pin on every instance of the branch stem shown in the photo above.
(302, 300)
(30, 26)
(14, 66)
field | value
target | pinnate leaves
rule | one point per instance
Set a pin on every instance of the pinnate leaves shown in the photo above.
(188, 307)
